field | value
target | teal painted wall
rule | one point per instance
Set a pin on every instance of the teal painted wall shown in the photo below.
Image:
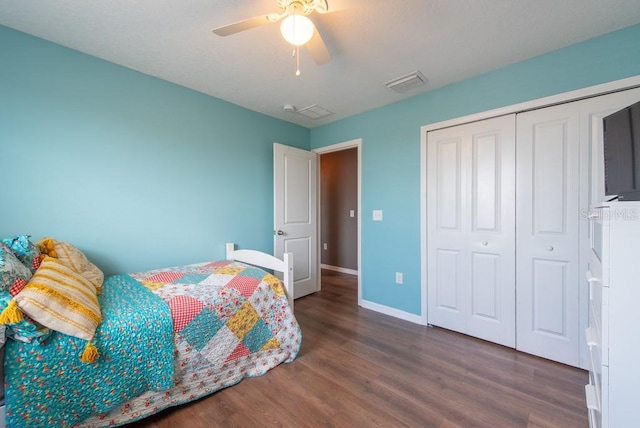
(133, 170)
(391, 148)
(136, 171)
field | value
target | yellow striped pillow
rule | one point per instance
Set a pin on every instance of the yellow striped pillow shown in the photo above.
(72, 257)
(61, 299)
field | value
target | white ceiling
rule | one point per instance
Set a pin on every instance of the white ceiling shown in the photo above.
(371, 42)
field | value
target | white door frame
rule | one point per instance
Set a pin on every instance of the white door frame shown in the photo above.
(591, 91)
(357, 143)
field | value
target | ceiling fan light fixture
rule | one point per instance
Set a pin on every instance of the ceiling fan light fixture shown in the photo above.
(297, 29)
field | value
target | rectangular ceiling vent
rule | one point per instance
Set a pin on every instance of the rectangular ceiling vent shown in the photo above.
(407, 82)
(314, 111)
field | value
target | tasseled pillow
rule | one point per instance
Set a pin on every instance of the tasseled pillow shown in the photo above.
(61, 299)
(73, 258)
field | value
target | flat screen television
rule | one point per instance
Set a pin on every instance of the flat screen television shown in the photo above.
(622, 154)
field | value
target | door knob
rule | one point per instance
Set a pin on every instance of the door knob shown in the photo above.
(485, 243)
(278, 232)
(549, 248)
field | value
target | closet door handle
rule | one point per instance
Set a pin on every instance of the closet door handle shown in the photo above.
(485, 243)
(549, 248)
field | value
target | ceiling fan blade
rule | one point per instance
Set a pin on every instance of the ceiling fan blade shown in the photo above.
(318, 49)
(321, 6)
(247, 24)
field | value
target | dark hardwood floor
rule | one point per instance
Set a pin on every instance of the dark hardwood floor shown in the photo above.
(359, 368)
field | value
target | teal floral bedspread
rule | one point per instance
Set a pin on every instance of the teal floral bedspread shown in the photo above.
(47, 385)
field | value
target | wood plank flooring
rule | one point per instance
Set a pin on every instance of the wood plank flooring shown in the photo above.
(359, 368)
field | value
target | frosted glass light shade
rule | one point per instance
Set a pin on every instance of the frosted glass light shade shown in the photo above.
(297, 29)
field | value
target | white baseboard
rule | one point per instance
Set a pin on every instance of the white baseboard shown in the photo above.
(396, 313)
(416, 319)
(339, 269)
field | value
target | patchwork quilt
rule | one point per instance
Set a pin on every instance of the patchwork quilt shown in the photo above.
(230, 321)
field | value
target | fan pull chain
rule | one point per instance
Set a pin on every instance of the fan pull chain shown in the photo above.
(297, 54)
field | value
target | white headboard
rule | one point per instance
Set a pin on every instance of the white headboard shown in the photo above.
(267, 261)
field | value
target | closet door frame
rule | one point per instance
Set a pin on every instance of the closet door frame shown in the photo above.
(620, 90)
(592, 91)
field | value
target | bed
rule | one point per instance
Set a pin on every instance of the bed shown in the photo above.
(167, 337)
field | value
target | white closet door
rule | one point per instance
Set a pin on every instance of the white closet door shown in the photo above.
(447, 261)
(547, 232)
(470, 226)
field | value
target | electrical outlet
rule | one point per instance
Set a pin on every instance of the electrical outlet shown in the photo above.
(352, 213)
(324, 245)
(377, 215)
(398, 277)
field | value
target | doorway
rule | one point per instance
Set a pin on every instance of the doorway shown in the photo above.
(339, 208)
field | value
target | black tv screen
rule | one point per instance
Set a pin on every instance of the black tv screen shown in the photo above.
(622, 154)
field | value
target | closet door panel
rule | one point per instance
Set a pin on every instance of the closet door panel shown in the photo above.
(449, 181)
(491, 234)
(485, 296)
(547, 264)
(448, 261)
(448, 285)
(549, 176)
(549, 293)
(470, 209)
(486, 196)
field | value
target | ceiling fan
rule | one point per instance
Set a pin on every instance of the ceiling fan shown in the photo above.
(296, 28)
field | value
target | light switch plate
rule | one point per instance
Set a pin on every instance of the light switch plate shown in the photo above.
(377, 215)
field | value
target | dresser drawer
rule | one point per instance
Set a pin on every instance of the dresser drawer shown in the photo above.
(595, 302)
(594, 418)
(595, 368)
(592, 399)
(604, 398)
(604, 326)
(598, 240)
(593, 406)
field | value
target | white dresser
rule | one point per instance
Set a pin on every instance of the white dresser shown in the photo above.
(613, 335)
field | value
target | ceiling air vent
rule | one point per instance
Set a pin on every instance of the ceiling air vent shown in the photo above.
(314, 112)
(407, 82)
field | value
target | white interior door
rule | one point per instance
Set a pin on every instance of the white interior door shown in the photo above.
(447, 261)
(296, 214)
(548, 205)
(471, 229)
